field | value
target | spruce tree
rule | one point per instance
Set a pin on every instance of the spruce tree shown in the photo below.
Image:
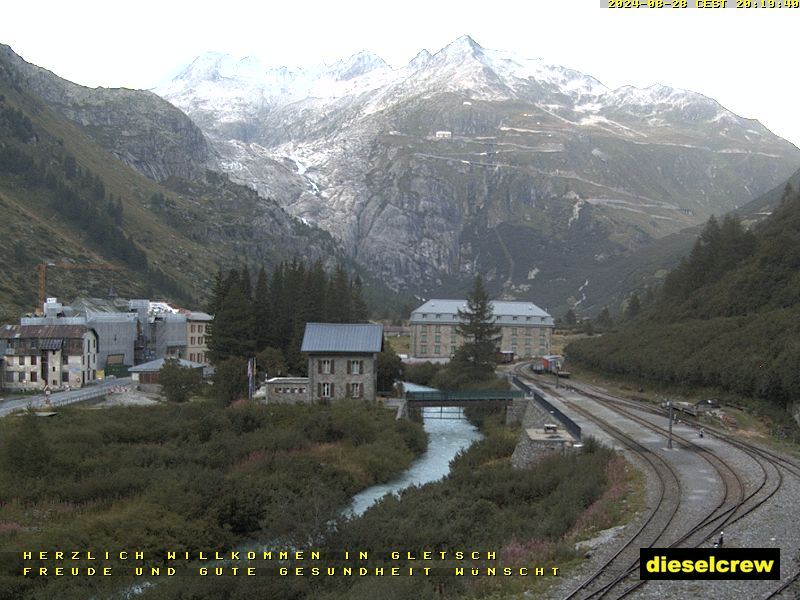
(360, 313)
(476, 359)
(604, 320)
(232, 330)
(634, 306)
(261, 311)
(339, 297)
(246, 283)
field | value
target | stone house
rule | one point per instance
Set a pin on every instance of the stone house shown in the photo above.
(56, 356)
(342, 360)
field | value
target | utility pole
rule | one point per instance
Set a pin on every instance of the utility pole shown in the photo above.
(669, 440)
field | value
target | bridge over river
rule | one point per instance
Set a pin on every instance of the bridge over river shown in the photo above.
(461, 399)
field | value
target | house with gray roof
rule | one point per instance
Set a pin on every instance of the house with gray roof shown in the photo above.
(342, 360)
(525, 329)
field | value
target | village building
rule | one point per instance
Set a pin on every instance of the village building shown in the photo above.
(342, 359)
(525, 329)
(48, 356)
(287, 390)
(148, 373)
(131, 332)
(197, 327)
(342, 363)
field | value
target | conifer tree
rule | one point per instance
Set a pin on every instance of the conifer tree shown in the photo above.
(360, 313)
(246, 283)
(279, 311)
(232, 332)
(339, 297)
(218, 292)
(261, 311)
(634, 306)
(604, 319)
(477, 356)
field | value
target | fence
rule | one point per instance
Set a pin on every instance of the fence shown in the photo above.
(73, 396)
(571, 426)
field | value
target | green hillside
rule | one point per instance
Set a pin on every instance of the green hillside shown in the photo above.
(727, 317)
(64, 198)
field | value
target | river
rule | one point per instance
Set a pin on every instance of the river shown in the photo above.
(446, 437)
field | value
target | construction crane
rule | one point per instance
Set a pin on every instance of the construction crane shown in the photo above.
(41, 268)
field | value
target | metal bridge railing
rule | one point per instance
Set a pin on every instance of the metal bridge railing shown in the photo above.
(462, 396)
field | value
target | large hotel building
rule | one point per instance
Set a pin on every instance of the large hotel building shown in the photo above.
(525, 328)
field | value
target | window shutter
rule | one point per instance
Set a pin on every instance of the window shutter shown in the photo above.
(319, 366)
(361, 367)
(333, 395)
(347, 364)
(319, 390)
(333, 368)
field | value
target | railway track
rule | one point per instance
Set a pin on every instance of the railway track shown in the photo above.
(618, 576)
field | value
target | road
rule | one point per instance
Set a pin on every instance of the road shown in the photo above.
(62, 398)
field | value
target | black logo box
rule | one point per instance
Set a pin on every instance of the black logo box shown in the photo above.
(690, 563)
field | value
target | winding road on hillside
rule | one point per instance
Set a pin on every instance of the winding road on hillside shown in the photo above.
(694, 491)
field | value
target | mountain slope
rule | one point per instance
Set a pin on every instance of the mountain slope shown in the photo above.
(728, 316)
(63, 197)
(546, 173)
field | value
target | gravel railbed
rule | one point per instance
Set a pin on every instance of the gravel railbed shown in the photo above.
(773, 524)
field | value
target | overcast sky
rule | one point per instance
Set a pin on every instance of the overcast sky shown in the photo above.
(745, 59)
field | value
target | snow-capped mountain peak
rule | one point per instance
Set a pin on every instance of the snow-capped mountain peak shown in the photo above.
(359, 64)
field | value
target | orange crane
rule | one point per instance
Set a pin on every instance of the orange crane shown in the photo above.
(41, 268)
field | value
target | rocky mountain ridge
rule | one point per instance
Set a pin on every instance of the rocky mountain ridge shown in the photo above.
(136, 126)
(540, 172)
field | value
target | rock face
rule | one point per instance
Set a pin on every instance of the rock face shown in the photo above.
(138, 127)
(539, 173)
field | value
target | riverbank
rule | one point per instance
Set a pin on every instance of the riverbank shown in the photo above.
(511, 519)
(184, 478)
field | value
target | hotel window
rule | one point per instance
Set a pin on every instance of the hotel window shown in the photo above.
(438, 329)
(424, 337)
(325, 390)
(514, 318)
(514, 331)
(355, 390)
(191, 328)
(192, 342)
(325, 366)
(33, 361)
(437, 338)
(527, 333)
(437, 349)
(453, 349)
(423, 349)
